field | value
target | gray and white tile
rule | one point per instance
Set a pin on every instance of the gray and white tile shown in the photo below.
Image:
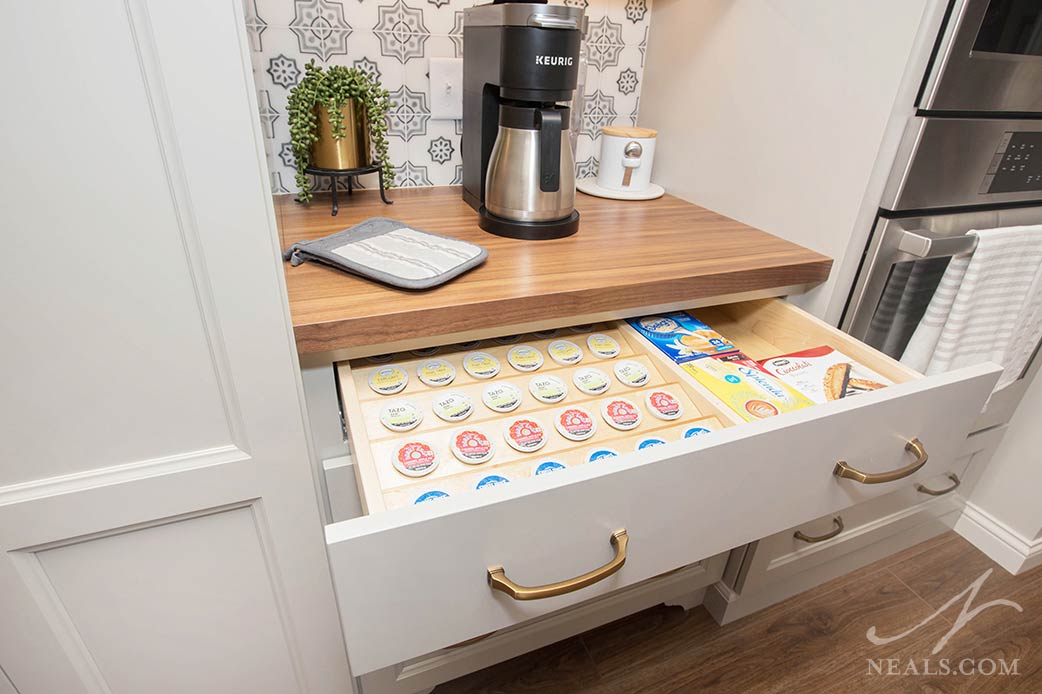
(395, 39)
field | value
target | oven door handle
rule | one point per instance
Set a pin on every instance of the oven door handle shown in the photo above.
(927, 244)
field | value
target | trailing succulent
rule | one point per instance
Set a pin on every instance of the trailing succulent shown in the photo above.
(333, 87)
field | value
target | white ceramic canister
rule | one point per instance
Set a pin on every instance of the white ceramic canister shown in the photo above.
(626, 149)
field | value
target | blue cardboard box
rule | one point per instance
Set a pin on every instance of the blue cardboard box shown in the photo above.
(681, 336)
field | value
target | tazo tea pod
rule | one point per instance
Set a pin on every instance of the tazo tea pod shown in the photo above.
(426, 351)
(481, 365)
(603, 346)
(565, 352)
(548, 388)
(552, 332)
(453, 407)
(591, 381)
(575, 424)
(525, 435)
(380, 358)
(401, 415)
(664, 405)
(525, 358)
(501, 397)
(547, 466)
(508, 339)
(436, 372)
(600, 454)
(388, 380)
(471, 446)
(648, 442)
(584, 328)
(415, 458)
(621, 414)
(632, 373)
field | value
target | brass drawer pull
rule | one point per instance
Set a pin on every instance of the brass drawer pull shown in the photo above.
(915, 446)
(497, 578)
(837, 521)
(941, 492)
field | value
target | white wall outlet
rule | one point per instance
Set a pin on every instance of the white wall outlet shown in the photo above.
(446, 76)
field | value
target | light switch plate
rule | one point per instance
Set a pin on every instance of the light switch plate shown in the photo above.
(446, 87)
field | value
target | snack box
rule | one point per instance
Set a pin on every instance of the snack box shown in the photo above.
(824, 374)
(681, 336)
(745, 387)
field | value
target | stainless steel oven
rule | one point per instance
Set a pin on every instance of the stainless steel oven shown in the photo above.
(988, 59)
(952, 175)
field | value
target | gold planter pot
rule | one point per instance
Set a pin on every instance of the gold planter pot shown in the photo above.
(349, 152)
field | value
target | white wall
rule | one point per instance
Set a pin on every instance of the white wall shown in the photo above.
(774, 113)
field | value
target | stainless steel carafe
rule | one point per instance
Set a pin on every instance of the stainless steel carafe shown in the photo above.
(531, 173)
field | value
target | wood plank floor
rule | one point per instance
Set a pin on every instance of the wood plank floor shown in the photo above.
(814, 642)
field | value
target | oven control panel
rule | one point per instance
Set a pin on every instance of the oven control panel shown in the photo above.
(1017, 164)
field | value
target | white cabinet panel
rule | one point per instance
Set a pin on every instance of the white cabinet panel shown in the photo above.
(162, 609)
(159, 524)
(99, 255)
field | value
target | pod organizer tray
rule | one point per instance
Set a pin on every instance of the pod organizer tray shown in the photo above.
(374, 446)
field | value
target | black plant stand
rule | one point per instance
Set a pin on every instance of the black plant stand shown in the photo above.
(334, 174)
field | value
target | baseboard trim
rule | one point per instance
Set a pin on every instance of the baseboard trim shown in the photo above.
(1001, 543)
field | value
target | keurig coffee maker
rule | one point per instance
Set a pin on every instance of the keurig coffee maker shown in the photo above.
(519, 60)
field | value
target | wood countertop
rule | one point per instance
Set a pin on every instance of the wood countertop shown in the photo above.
(628, 258)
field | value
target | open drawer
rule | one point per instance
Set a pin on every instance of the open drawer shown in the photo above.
(420, 577)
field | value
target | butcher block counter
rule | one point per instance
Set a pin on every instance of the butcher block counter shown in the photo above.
(628, 258)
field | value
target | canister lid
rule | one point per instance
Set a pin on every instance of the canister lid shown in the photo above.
(628, 131)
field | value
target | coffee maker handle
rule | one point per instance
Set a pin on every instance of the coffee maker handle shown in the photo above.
(549, 150)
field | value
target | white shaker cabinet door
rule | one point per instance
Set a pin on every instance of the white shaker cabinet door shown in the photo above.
(159, 530)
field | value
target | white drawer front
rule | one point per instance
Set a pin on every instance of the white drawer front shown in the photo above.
(412, 580)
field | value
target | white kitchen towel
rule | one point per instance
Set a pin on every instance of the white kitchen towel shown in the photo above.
(988, 307)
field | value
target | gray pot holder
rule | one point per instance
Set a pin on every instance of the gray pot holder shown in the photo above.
(391, 252)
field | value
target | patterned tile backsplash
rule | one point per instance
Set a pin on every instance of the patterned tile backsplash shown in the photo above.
(394, 40)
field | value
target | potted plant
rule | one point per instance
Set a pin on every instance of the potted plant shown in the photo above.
(337, 120)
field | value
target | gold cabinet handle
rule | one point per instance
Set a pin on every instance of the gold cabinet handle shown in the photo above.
(837, 521)
(498, 580)
(941, 492)
(915, 446)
